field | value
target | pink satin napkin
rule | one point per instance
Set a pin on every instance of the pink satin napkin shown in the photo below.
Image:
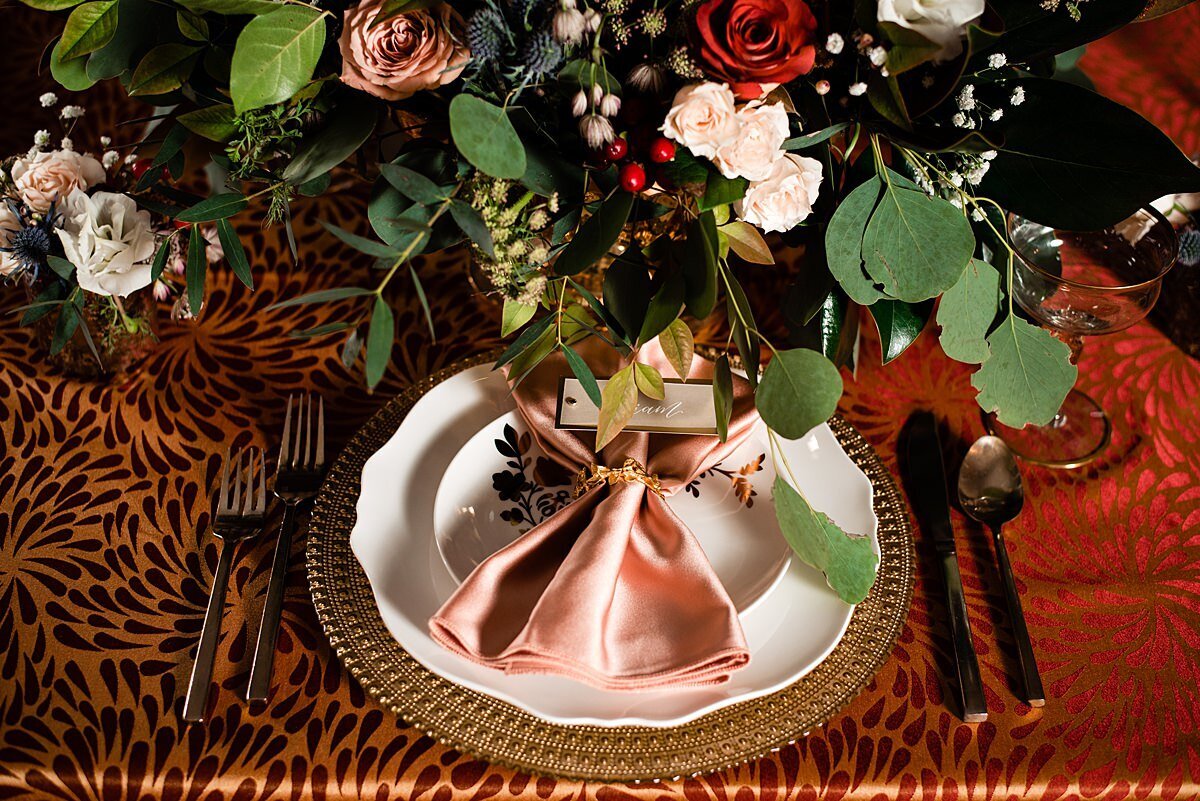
(613, 590)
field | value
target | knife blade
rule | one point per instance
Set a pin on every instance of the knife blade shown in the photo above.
(932, 506)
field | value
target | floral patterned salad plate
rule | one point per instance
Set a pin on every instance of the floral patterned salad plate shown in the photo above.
(461, 478)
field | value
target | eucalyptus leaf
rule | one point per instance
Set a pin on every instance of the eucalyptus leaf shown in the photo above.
(380, 335)
(420, 288)
(322, 330)
(899, 324)
(217, 207)
(89, 28)
(584, 373)
(525, 340)
(679, 347)
(844, 241)
(596, 236)
(163, 69)
(723, 395)
(412, 184)
(345, 130)
(915, 246)
(324, 296)
(360, 243)
(849, 562)
(618, 403)
(235, 254)
(196, 269)
(966, 313)
(1027, 376)
(474, 226)
(275, 56)
(485, 137)
(799, 390)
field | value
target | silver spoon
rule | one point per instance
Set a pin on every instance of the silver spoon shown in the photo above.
(989, 489)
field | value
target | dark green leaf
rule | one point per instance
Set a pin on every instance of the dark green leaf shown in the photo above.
(586, 73)
(1073, 159)
(548, 171)
(601, 312)
(324, 296)
(211, 122)
(235, 254)
(815, 138)
(160, 259)
(800, 389)
(596, 236)
(523, 341)
(61, 267)
(89, 28)
(217, 207)
(412, 184)
(584, 373)
(1033, 31)
(700, 265)
(347, 127)
(486, 138)
(424, 301)
(745, 331)
(171, 144)
(321, 330)
(137, 23)
(70, 74)
(665, 304)
(899, 324)
(64, 327)
(723, 395)
(627, 295)
(196, 270)
(720, 191)
(361, 243)
(163, 69)
(315, 186)
(909, 48)
(275, 56)
(380, 335)
(472, 224)
(848, 562)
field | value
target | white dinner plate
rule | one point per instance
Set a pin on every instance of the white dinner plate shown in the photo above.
(790, 629)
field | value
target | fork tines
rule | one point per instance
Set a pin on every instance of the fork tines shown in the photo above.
(299, 449)
(246, 482)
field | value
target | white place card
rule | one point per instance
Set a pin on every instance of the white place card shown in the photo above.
(687, 408)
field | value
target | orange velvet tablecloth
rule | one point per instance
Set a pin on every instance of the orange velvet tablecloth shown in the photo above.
(105, 560)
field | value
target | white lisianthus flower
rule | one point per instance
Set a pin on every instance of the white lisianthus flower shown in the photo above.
(9, 225)
(703, 118)
(758, 144)
(110, 242)
(785, 198)
(42, 178)
(943, 22)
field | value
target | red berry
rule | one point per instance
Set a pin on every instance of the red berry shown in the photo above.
(632, 177)
(139, 167)
(616, 150)
(662, 150)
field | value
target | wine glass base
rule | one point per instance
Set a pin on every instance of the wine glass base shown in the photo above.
(1078, 434)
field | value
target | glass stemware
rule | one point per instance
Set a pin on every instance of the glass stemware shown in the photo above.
(1076, 284)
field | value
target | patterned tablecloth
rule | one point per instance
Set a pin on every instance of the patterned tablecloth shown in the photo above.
(105, 560)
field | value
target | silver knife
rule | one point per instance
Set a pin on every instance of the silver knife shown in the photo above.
(932, 506)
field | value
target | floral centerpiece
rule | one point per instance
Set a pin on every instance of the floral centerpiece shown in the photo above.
(617, 167)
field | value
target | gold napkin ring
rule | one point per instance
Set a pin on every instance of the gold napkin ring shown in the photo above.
(632, 470)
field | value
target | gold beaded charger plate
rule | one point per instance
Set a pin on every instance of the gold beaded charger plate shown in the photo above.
(475, 722)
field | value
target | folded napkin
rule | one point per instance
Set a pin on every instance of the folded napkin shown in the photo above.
(612, 590)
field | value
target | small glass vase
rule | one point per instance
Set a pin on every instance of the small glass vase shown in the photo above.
(118, 349)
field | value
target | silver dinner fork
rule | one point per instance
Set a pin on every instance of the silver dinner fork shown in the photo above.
(297, 478)
(241, 511)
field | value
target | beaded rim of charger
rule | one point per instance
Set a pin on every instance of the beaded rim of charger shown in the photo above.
(506, 735)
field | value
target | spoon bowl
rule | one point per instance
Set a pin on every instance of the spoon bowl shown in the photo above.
(989, 483)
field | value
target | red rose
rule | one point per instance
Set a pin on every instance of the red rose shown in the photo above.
(747, 43)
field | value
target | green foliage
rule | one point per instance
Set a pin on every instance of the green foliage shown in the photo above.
(848, 562)
(815, 138)
(899, 324)
(196, 269)
(700, 265)
(618, 403)
(89, 27)
(486, 137)
(235, 254)
(346, 128)
(627, 295)
(649, 381)
(844, 241)
(70, 74)
(799, 389)
(380, 335)
(163, 69)
(679, 347)
(1027, 375)
(584, 373)
(275, 56)
(745, 240)
(966, 313)
(596, 236)
(217, 207)
(721, 191)
(723, 395)
(212, 122)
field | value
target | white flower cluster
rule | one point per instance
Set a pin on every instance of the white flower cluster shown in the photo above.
(593, 109)
(747, 142)
(570, 25)
(71, 112)
(48, 99)
(865, 47)
(972, 112)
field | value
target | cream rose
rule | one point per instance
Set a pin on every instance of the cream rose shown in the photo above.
(758, 144)
(943, 22)
(110, 242)
(409, 53)
(703, 118)
(785, 198)
(53, 175)
(9, 225)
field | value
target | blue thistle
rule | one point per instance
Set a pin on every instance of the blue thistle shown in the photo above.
(485, 35)
(33, 241)
(1189, 248)
(543, 54)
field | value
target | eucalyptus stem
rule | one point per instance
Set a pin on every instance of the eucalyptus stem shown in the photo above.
(408, 251)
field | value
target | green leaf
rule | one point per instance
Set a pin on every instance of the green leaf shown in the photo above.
(346, 128)
(966, 313)
(721, 191)
(70, 74)
(392, 8)
(420, 288)
(352, 347)
(51, 5)
(324, 296)
(138, 22)
(235, 254)
(548, 171)
(486, 138)
(744, 329)
(163, 69)
(217, 207)
(64, 327)
(601, 312)
(231, 7)
(361, 243)
(1033, 31)
(844, 241)
(723, 395)
(700, 265)
(321, 330)
(160, 259)
(211, 122)
(679, 347)
(915, 246)
(815, 138)
(192, 26)
(380, 335)
(526, 339)
(899, 324)
(315, 186)
(515, 315)
(596, 236)
(664, 307)
(412, 184)
(473, 225)
(196, 270)
(584, 373)
(799, 390)
(89, 28)
(618, 403)
(909, 48)
(171, 144)
(849, 563)
(649, 381)
(747, 242)
(275, 56)
(61, 267)
(1075, 160)
(585, 73)
(1027, 375)
(627, 295)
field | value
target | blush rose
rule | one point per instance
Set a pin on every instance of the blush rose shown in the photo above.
(403, 55)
